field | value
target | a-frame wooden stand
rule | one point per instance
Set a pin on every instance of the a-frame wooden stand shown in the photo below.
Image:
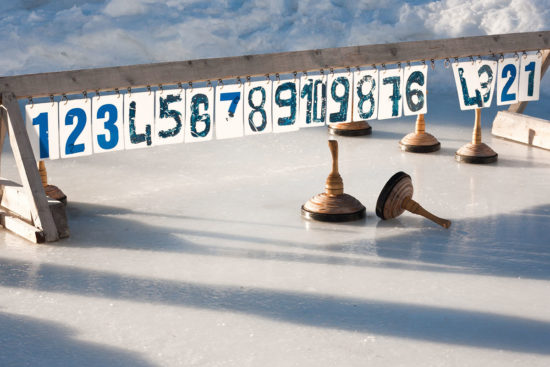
(514, 125)
(25, 209)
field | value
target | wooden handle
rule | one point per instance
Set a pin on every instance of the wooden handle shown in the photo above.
(412, 206)
(333, 146)
(43, 173)
(476, 135)
(420, 124)
(334, 184)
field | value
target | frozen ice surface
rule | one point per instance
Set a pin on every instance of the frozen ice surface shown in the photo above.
(196, 254)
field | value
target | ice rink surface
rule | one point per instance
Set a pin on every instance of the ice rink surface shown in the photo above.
(196, 255)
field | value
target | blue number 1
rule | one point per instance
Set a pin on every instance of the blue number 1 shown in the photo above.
(530, 85)
(42, 122)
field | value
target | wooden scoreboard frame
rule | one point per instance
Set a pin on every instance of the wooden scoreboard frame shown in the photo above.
(34, 219)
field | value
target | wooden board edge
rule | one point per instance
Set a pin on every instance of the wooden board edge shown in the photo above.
(520, 128)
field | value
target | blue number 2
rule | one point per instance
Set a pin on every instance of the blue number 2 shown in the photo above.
(508, 69)
(109, 125)
(42, 122)
(71, 147)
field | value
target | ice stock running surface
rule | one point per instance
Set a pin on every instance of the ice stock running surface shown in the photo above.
(196, 254)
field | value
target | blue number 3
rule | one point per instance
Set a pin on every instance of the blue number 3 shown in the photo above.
(109, 126)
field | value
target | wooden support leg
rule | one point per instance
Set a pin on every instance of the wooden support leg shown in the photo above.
(27, 167)
(3, 131)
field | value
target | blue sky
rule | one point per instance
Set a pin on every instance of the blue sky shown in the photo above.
(51, 35)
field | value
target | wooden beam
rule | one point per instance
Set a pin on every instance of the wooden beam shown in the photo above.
(26, 164)
(3, 132)
(170, 73)
(522, 128)
(21, 228)
(520, 106)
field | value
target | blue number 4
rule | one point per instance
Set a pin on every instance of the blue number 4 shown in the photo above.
(234, 97)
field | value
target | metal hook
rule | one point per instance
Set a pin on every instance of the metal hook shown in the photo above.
(348, 69)
(479, 59)
(501, 58)
(472, 59)
(97, 94)
(516, 56)
(524, 55)
(277, 77)
(446, 63)
(539, 54)
(408, 65)
(190, 86)
(220, 82)
(180, 86)
(240, 81)
(31, 102)
(64, 97)
(161, 88)
(149, 89)
(85, 95)
(295, 74)
(332, 71)
(51, 99)
(209, 84)
(267, 78)
(384, 67)
(117, 93)
(322, 72)
(305, 73)
(129, 89)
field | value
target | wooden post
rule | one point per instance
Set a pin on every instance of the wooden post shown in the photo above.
(26, 164)
(3, 131)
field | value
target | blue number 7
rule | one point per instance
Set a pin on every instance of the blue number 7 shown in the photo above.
(234, 97)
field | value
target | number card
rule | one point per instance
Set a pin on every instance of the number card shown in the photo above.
(42, 122)
(365, 98)
(200, 106)
(313, 101)
(285, 104)
(169, 117)
(529, 77)
(257, 107)
(75, 127)
(416, 80)
(107, 123)
(139, 117)
(391, 93)
(229, 111)
(507, 81)
(339, 91)
(475, 82)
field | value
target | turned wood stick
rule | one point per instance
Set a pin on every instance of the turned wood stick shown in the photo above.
(420, 127)
(43, 173)
(476, 135)
(412, 206)
(334, 184)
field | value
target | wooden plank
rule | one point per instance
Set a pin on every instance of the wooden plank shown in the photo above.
(3, 132)
(167, 73)
(14, 198)
(520, 106)
(522, 128)
(26, 164)
(21, 228)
